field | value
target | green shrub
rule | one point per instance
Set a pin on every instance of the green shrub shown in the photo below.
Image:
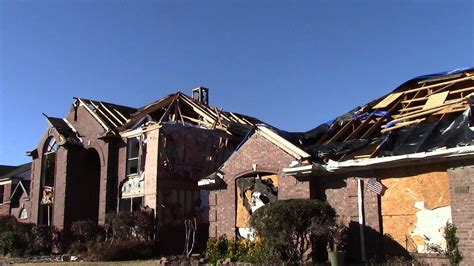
(221, 248)
(289, 227)
(11, 243)
(15, 237)
(452, 242)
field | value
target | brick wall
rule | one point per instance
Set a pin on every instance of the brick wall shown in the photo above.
(341, 192)
(461, 183)
(267, 158)
(5, 206)
(67, 195)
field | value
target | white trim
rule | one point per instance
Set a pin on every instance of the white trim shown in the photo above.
(281, 142)
(332, 166)
(359, 164)
(5, 182)
(206, 182)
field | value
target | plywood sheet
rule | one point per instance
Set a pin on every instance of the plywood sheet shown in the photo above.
(435, 100)
(405, 197)
(274, 179)
(243, 216)
(388, 100)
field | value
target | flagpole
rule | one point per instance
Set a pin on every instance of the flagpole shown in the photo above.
(360, 201)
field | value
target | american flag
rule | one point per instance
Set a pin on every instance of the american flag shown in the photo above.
(375, 186)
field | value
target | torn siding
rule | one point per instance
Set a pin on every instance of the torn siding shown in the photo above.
(415, 208)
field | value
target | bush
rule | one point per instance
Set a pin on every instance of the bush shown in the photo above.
(11, 242)
(121, 250)
(15, 237)
(452, 242)
(289, 227)
(85, 231)
(221, 248)
(138, 225)
(46, 239)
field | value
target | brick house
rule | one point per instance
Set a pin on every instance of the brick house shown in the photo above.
(104, 157)
(396, 170)
(14, 191)
(250, 178)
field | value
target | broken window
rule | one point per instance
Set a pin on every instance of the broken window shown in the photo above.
(2, 193)
(131, 204)
(136, 151)
(252, 193)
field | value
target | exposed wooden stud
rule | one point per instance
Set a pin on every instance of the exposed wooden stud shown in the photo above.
(440, 84)
(110, 112)
(411, 108)
(359, 128)
(425, 112)
(94, 114)
(380, 121)
(178, 106)
(343, 130)
(403, 124)
(166, 111)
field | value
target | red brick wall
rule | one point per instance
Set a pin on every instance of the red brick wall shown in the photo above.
(341, 192)
(268, 158)
(461, 183)
(66, 168)
(5, 206)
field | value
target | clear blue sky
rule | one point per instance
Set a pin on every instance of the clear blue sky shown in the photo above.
(293, 64)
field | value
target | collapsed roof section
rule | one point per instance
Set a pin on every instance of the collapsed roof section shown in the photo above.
(424, 114)
(182, 109)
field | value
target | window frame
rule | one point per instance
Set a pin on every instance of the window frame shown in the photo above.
(2, 194)
(138, 159)
(130, 203)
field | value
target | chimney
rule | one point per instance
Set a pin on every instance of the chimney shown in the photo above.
(201, 95)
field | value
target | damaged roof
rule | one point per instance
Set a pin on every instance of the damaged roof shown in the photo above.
(110, 116)
(424, 114)
(181, 108)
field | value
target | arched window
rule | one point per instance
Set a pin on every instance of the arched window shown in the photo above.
(49, 162)
(48, 172)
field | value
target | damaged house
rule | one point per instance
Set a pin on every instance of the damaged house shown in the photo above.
(15, 190)
(396, 170)
(104, 157)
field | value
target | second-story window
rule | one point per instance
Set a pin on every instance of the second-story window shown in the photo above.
(136, 155)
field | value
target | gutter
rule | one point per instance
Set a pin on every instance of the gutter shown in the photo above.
(333, 167)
